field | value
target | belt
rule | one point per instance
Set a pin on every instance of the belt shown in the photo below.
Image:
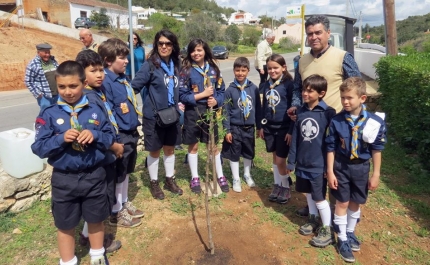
(353, 161)
(244, 127)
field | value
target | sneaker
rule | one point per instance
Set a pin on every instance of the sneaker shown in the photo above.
(284, 195)
(237, 186)
(195, 185)
(311, 226)
(345, 251)
(353, 241)
(303, 212)
(132, 210)
(275, 192)
(124, 219)
(83, 240)
(110, 244)
(170, 185)
(100, 261)
(323, 238)
(179, 147)
(249, 181)
(222, 181)
(156, 191)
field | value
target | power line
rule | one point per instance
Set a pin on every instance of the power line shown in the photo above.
(354, 11)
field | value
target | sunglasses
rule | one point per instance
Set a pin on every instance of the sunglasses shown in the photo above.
(167, 43)
(134, 38)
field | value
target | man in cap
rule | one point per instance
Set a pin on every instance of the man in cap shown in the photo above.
(86, 37)
(40, 76)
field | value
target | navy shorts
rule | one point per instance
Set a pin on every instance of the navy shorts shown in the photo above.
(194, 129)
(275, 141)
(312, 183)
(126, 164)
(352, 179)
(111, 183)
(76, 195)
(157, 137)
(243, 143)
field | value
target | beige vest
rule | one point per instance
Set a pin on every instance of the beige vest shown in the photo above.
(329, 65)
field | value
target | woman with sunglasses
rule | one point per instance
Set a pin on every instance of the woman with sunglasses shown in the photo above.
(159, 74)
(139, 55)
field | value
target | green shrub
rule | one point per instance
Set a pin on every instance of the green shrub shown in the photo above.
(404, 82)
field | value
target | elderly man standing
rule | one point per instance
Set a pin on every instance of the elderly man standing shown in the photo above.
(40, 76)
(261, 54)
(86, 38)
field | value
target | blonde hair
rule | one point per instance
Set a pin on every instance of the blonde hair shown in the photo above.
(354, 83)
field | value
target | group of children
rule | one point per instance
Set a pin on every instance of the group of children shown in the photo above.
(90, 139)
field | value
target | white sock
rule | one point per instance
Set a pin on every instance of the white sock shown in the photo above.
(284, 181)
(125, 189)
(73, 261)
(312, 205)
(352, 220)
(247, 167)
(341, 222)
(96, 253)
(276, 176)
(169, 165)
(218, 165)
(325, 212)
(193, 162)
(153, 167)
(118, 194)
(234, 169)
(85, 230)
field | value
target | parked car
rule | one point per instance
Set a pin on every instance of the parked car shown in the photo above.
(183, 52)
(220, 52)
(84, 22)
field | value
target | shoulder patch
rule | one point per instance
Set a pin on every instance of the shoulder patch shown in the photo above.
(40, 121)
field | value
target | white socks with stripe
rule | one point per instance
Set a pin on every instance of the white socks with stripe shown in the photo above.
(169, 165)
(193, 163)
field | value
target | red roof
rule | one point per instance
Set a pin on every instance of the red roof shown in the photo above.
(97, 4)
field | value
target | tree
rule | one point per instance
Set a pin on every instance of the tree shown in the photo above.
(201, 26)
(251, 36)
(102, 20)
(282, 20)
(232, 34)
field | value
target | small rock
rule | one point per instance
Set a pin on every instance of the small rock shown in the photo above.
(16, 231)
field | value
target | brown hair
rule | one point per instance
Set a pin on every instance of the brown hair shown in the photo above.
(277, 58)
(354, 83)
(315, 82)
(111, 48)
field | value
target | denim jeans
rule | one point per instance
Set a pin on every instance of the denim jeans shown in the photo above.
(45, 102)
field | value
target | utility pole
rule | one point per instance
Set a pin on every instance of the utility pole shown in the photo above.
(390, 27)
(347, 8)
(359, 29)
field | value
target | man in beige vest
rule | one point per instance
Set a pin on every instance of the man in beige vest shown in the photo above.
(334, 64)
(262, 52)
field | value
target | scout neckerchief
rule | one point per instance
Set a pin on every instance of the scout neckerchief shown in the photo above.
(171, 85)
(130, 94)
(243, 97)
(272, 100)
(203, 73)
(354, 128)
(107, 106)
(73, 111)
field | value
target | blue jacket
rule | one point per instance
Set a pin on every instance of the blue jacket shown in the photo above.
(339, 134)
(284, 95)
(191, 83)
(116, 94)
(53, 122)
(233, 110)
(139, 59)
(157, 89)
(307, 149)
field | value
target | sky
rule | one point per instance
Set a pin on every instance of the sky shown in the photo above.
(372, 10)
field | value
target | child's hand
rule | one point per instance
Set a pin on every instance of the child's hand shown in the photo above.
(209, 91)
(85, 137)
(212, 102)
(229, 138)
(292, 113)
(332, 181)
(261, 134)
(117, 149)
(71, 135)
(288, 138)
(374, 181)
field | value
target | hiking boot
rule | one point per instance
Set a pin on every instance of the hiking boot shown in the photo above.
(275, 192)
(156, 191)
(353, 241)
(124, 219)
(237, 186)
(83, 240)
(345, 251)
(222, 181)
(109, 243)
(290, 181)
(284, 195)
(324, 237)
(249, 181)
(311, 226)
(170, 185)
(303, 212)
(132, 210)
(195, 185)
(100, 261)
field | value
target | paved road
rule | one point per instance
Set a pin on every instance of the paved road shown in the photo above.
(18, 109)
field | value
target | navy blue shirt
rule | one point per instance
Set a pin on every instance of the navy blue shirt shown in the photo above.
(51, 125)
(191, 83)
(338, 138)
(307, 149)
(116, 95)
(233, 108)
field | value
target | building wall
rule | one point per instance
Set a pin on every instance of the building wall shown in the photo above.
(116, 17)
(57, 10)
(293, 32)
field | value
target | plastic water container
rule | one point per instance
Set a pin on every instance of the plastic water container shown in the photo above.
(15, 153)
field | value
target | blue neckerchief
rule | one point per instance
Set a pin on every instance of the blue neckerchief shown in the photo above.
(130, 93)
(171, 85)
(204, 72)
(243, 98)
(271, 100)
(109, 110)
(73, 110)
(355, 130)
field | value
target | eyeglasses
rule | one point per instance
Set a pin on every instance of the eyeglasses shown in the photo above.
(134, 38)
(167, 43)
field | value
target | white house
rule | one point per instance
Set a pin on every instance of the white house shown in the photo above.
(143, 13)
(242, 18)
(291, 31)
